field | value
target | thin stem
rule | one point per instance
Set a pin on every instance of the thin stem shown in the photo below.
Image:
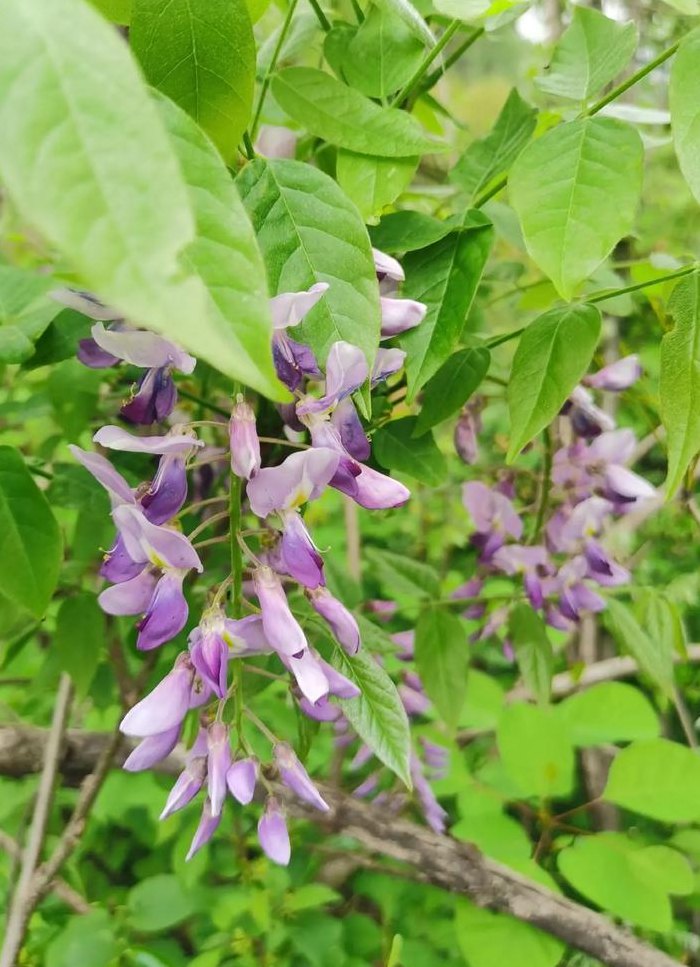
(637, 286)
(685, 718)
(284, 443)
(185, 394)
(284, 30)
(434, 52)
(359, 15)
(432, 79)
(248, 145)
(545, 487)
(506, 337)
(214, 519)
(320, 15)
(210, 541)
(234, 515)
(270, 736)
(199, 504)
(23, 901)
(631, 81)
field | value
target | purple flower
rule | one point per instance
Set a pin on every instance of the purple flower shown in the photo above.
(281, 628)
(166, 706)
(493, 515)
(309, 675)
(241, 779)
(273, 835)
(144, 349)
(574, 595)
(129, 597)
(531, 562)
(187, 785)
(346, 371)
(466, 433)
(296, 778)
(243, 438)
(90, 355)
(338, 684)
(208, 825)
(623, 486)
(116, 438)
(342, 622)
(167, 492)
(117, 565)
(352, 435)
(387, 267)
(300, 477)
(386, 363)
(104, 473)
(293, 361)
(299, 555)
(218, 764)
(587, 419)
(151, 750)
(400, 315)
(154, 543)
(617, 376)
(209, 650)
(166, 614)
(435, 815)
(153, 399)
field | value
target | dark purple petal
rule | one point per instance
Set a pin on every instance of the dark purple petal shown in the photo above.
(91, 355)
(352, 434)
(300, 556)
(167, 612)
(118, 566)
(167, 492)
(154, 399)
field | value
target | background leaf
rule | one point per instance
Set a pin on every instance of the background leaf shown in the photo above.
(25, 312)
(576, 190)
(489, 939)
(454, 383)
(444, 276)
(680, 379)
(401, 574)
(608, 712)
(396, 448)
(378, 715)
(653, 655)
(590, 53)
(684, 102)
(442, 660)
(309, 232)
(158, 902)
(533, 650)
(79, 639)
(407, 231)
(410, 15)
(329, 109)
(373, 183)
(536, 751)
(30, 541)
(201, 54)
(382, 55)
(656, 778)
(553, 354)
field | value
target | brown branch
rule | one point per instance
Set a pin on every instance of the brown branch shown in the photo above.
(439, 860)
(63, 890)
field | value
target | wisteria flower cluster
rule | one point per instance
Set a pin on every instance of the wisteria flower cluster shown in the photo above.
(151, 557)
(590, 484)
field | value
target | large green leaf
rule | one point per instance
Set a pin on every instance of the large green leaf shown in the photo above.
(373, 183)
(158, 902)
(608, 712)
(119, 11)
(377, 715)
(329, 109)
(536, 751)
(533, 650)
(680, 378)
(656, 778)
(490, 156)
(382, 55)
(25, 312)
(410, 15)
(553, 354)
(590, 53)
(684, 101)
(201, 53)
(396, 448)
(407, 231)
(225, 254)
(309, 232)
(30, 541)
(576, 191)
(121, 218)
(652, 654)
(442, 660)
(401, 574)
(489, 939)
(444, 276)
(450, 388)
(627, 878)
(88, 938)
(79, 640)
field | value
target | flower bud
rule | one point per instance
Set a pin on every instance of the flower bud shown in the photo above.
(245, 446)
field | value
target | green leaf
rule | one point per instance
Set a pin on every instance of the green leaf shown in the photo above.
(401, 574)
(680, 379)
(310, 895)
(60, 339)
(684, 102)
(225, 255)
(450, 388)
(87, 939)
(690, 7)
(201, 54)
(653, 656)
(661, 619)
(396, 448)
(79, 639)
(373, 183)
(493, 155)
(73, 390)
(118, 11)
(309, 232)
(25, 312)
(576, 190)
(484, 701)
(445, 276)
(533, 650)
(656, 778)
(382, 55)
(489, 939)
(407, 231)
(30, 541)
(608, 712)
(157, 903)
(442, 660)
(410, 16)
(121, 218)
(330, 110)
(590, 53)
(377, 715)
(553, 354)
(626, 878)
(536, 751)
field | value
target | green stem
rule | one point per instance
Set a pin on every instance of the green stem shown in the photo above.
(631, 81)
(359, 15)
(546, 487)
(613, 293)
(234, 514)
(284, 30)
(248, 145)
(506, 337)
(322, 18)
(589, 112)
(434, 52)
(432, 79)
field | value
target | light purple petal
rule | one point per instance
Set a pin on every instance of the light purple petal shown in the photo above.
(309, 675)
(296, 778)
(186, 786)
(346, 371)
(400, 315)
(208, 825)
(243, 439)
(241, 779)
(273, 835)
(166, 706)
(338, 684)
(144, 349)
(300, 555)
(160, 545)
(386, 363)
(246, 636)
(210, 656)
(104, 473)
(376, 491)
(617, 376)
(387, 267)
(167, 612)
(281, 628)
(129, 597)
(117, 438)
(218, 764)
(152, 750)
(300, 477)
(350, 428)
(86, 303)
(289, 308)
(342, 622)
(617, 446)
(624, 484)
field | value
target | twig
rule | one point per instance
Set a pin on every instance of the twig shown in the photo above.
(63, 890)
(422, 68)
(23, 904)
